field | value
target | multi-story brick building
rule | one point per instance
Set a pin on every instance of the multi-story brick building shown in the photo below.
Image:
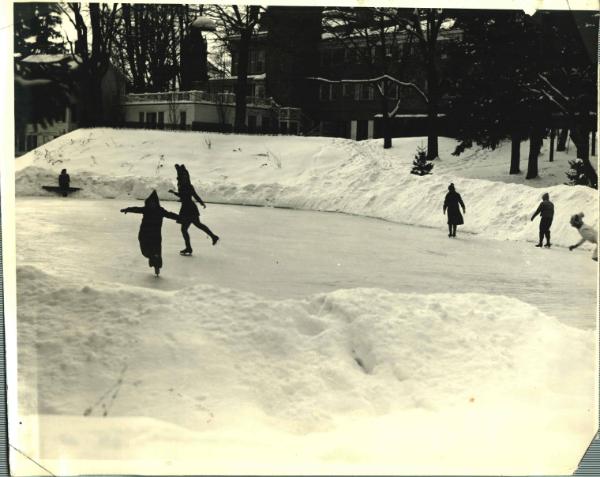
(292, 50)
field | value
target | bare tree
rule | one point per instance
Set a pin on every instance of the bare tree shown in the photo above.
(92, 54)
(375, 37)
(239, 23)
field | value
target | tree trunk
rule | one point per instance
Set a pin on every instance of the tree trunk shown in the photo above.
(432, 110)
(561, 144)
(515, 153)
(593, 143)
(385, 119)
(580, 136)
(552, 136)
(242, 81)
(535, 144)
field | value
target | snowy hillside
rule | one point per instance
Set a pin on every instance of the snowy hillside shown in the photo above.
(312, 173)
(353, 381)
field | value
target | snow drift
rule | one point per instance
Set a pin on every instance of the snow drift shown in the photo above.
(352, 381)
(323, 174)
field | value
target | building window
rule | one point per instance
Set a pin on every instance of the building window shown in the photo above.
(325, 57)
(161, 117)
(364, 92)
(256, 62)
(182, 118)
(141, 117)
(335, 92)
(151, 118)
(325, 92)
(32, 142)
(348, 91)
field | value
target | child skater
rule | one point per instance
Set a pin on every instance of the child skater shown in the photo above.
(588, 234)
(149, 236)
(189, 214)
(546, 211)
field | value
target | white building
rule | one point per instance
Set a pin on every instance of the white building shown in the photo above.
(199, 110)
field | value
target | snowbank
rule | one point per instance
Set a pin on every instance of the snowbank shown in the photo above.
(360, 380)
(304, 173)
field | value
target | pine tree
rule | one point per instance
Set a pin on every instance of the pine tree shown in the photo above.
(577, 174)
(36, 29)
(421, 165)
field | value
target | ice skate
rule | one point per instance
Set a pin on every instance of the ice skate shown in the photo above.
(539, 245)
(215, 239)
(186, 252)
(548, 245)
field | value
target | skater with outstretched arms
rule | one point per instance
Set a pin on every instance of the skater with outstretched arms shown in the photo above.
(188, 213)
(149, 236)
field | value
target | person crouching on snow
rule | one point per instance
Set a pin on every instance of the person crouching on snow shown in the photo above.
(546, 211)
(451, 203)
(588, 234)
(149, 235)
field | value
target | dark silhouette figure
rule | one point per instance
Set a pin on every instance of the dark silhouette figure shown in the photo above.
(451, 204)
(64, 182)
(149, 235)
(588, 234)
(189, 214)
(546, 211)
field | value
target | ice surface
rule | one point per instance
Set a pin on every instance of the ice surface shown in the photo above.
(311, 173)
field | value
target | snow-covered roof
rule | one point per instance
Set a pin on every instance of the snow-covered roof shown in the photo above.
(204, 23)
(52, 59)
(46, 58)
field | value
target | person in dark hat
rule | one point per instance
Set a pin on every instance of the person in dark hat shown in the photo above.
(546, 211)
(149, 236)
(188, 213)
(64, 182)
(451, 204)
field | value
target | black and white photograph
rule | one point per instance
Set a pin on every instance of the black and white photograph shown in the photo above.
(259, 239)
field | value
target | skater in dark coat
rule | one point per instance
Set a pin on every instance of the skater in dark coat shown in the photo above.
(189, 214)
(451, 204)
(149, 235)
(546, 211)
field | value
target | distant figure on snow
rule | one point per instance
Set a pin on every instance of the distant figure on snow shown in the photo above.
(588, 234)
(546, 211)
(64, 181)
(149, 235)
(451, 204)
(189, 214)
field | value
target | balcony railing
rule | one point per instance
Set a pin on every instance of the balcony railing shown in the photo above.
(169, 96)
(195, 96)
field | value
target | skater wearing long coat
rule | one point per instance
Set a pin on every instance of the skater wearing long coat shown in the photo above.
(188, 213)
(451, 204)
(149, 236)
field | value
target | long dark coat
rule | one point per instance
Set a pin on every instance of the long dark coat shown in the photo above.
(150, 236)
(451, 203)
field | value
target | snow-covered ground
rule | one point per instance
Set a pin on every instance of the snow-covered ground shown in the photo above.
(312, 173)
(303, 342)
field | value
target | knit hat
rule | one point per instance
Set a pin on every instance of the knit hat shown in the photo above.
(576, 220)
